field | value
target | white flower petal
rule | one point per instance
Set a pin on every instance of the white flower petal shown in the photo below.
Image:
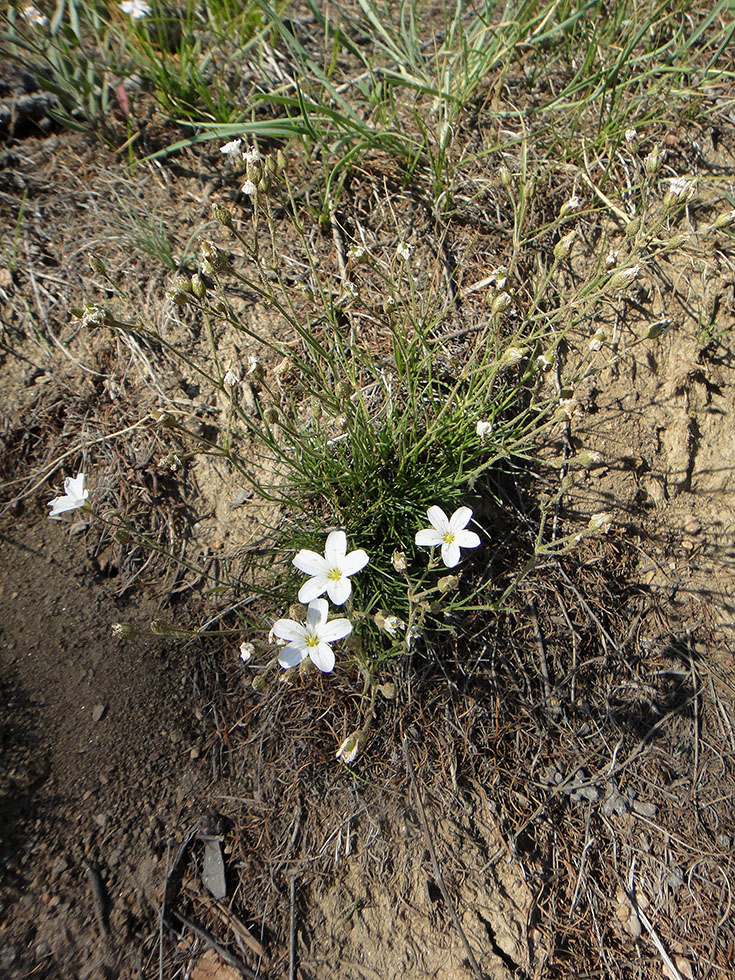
(460, 519)
(313, 588)
(316, 615)
(450, 554)
(292, 655)
(467, 539)
(335, 549)
(289, 629)
(335, 629)
(339, 590)
(438, 519)
(428, 538)
(322, 657)
(310, 562)
(354, 562)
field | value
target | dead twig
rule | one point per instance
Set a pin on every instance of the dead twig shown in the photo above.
(292, 931)
(208, 939)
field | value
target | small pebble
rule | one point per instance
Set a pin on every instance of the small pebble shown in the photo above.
(692, 526)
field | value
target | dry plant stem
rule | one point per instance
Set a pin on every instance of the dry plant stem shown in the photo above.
(100, 899)
(435, 864)
(292, 930)
(646, 922)
(209, 940)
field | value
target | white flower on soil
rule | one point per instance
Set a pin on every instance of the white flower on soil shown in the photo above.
(74, 497)
(330, 572)
(312, 638)
(449, 532)
(232, 149)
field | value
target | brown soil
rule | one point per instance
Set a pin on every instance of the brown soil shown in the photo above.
(582, 746)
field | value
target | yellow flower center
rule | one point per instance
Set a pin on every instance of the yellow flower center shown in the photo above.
(311, 640)
(448, 537)
(334, 574)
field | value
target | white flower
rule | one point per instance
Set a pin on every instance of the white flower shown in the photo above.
(73, 499)
(252, 155)
(449, 532)
(570, 206)
(330, 573)
(230, 380)
(136, 8)
(249, 188)
(598, 339)
(483, 429)
(611, 259)
(311, 639)
(246, 652)
(35, 17)
(403, 251)
(349, 749)
(569, 408)
(630, 134)
(601, 522)
(255, 368)
(678, 187)
(391, 624)
(544, 362)
(232, 149)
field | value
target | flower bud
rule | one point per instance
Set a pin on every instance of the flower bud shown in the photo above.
(399, 561)
(659, 328)
(343, 389)
(623, 277)
(512, 356)
(281, 161)
(506, 177)
(259, 682)
(121, 536)
(270, 414)
(725, 220)
(222, 215)
(589, 459)
(502, 303)
(162, 628)
(448, 583)
(215, 257)
(198, 286)
(97, 265)
(123, 631)
(564, 246)
(653, 162)
(633, 227)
